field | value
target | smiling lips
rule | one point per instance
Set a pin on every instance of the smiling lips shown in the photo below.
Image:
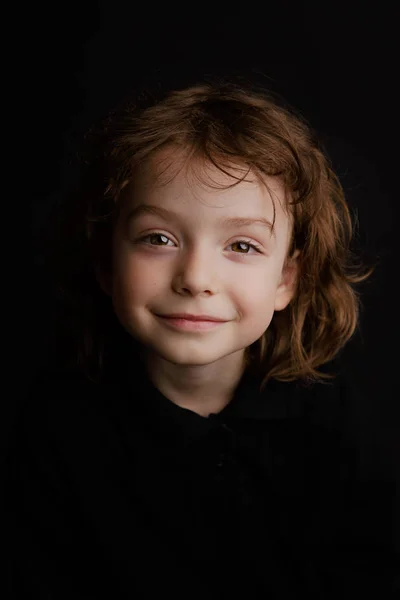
(191, 322)
(189, 317)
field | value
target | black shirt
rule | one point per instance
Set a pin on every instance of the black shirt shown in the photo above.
(114, 491)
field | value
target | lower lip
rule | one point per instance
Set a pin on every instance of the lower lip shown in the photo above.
(187, 325)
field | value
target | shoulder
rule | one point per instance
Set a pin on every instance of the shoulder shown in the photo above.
(325, 424)
(64, 433)
(330, 404)
(336, 419)
(325, 404)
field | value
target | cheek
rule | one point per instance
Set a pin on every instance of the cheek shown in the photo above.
(137, 279)
(257, 290)
(255, 302)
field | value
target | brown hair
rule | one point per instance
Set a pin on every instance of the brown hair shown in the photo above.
(227, 124)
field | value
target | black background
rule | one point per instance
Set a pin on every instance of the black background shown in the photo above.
(337, 64)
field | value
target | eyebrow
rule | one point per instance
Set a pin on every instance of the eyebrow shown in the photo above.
(143, 209)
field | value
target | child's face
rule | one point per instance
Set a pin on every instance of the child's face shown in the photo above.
(197, 265)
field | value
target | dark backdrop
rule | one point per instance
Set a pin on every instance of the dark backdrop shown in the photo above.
(337, 65)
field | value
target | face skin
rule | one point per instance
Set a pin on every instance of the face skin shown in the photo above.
(199, 266)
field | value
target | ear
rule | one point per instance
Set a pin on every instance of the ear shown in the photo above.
(104, 280)
(287, 285)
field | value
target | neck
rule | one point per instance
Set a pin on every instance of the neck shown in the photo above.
(204, 389)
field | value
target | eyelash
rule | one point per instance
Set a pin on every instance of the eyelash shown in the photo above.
(256, 247)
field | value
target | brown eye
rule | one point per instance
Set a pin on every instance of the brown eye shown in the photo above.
(245, 243)
(240, 244)
(154, 236)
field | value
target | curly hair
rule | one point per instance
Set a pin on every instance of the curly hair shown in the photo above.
(225, 124)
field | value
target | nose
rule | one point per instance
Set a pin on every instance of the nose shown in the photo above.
(195, 272)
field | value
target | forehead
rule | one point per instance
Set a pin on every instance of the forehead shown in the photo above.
(173, 180)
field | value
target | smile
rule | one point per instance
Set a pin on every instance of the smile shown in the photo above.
(188, 325)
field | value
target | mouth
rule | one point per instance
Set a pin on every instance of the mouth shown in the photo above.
(189, 317)
(186, 324)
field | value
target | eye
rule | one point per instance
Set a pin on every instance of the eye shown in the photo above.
(153, 235)
(247, 243)
(157, 234)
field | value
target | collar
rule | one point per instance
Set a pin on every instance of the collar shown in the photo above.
(249, 407)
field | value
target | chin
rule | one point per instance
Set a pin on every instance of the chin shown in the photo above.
(192, 361)
(187, 358)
